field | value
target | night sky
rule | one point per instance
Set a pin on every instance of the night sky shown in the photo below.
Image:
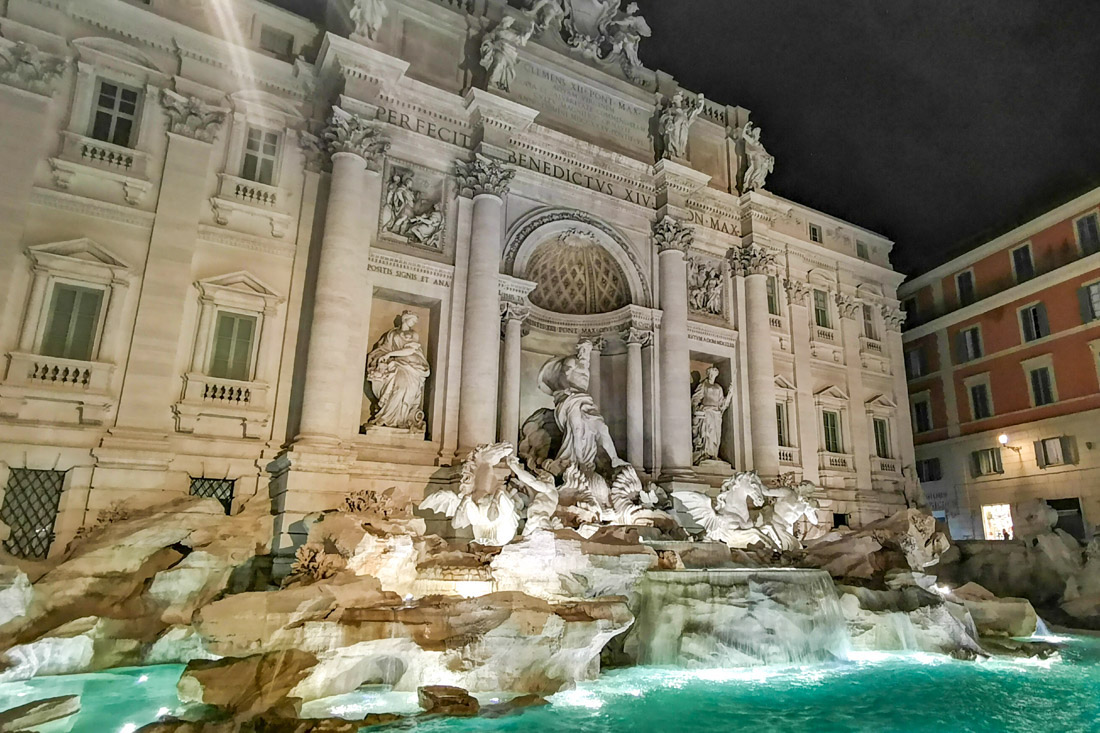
(938, 123)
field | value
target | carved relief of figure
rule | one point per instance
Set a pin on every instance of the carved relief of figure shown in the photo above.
(397, 370)
(584, 432)
(675, 123)
(400, 202)
(760, 162)
(708, 403)
(367, 15)
(500, 51)
(626, 32)
(704, 288)
(544, 13)
(426, 228)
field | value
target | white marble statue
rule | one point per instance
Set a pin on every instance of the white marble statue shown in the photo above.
(760, 163)
(367, 15)
(584, 432)
(709, 403)
(427, 228)
(728, 518)
(483, 501)
(397, 370)
(626, 31)
(675, 123)
(543, 506)
(500, 51)
(544, 13)
(790, 503)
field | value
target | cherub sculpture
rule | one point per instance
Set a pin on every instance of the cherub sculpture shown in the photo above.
(483, 501)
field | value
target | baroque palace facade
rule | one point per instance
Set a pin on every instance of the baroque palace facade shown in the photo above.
(245, 252)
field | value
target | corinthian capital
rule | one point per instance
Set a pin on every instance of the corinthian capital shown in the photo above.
(848, 305)
(893, 317)
(750, 259)
(24, 66)
(639, 336)
(797, 291)
(350, 133)
(511, 310)
(670, 233)
(191, 117)
(483, 175)
(313, 150)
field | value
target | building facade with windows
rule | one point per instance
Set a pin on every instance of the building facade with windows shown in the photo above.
(1001, 354)
(219, 218)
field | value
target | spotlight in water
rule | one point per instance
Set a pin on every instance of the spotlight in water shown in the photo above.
(128, 728)
(142, 679)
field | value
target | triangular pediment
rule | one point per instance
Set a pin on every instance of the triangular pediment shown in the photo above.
(782, 382)
(89, 46)
(241, 282)
(832, 392)
(881, 401)
(80, 250)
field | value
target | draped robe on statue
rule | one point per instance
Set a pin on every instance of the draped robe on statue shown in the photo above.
(397, 369)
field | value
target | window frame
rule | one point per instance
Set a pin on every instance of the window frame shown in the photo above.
(783, 424)
(46, 316)
(1085, 300)
(825, 430)
(972, 382)
(1095, 213)
(863, 251)
(921, 363)
(253, 348)
(275, 158)
(822, 309)
(1067, 451)
(921, 398)
(934, 460)
(771, 284)
(816, 233)
(972, 354)
(1035, 363)
(1025, 247)
(870, 322)
(882, 442)
(973, 287)
(996, 463)
(1020, 321)
(135, 121)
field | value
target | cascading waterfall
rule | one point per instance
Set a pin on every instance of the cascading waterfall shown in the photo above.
(736, 618)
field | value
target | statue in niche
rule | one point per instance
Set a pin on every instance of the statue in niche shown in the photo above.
(483, 501)
(584, 432)
(544, 13)
(626, 31)
(367, 15)
(704, 288)
(397, 370)
(675, 123)
(729, 518)
(708, 404)
(760, 162)
(404, 215)
(500, 51)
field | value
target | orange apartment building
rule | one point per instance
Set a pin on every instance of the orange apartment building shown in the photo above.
(1002, 355)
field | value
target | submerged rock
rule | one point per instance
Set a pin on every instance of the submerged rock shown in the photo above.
(33, 714)
(995, 616)
(444, 700)
(245, 686)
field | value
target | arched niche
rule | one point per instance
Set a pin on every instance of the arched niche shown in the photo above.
(569, 232)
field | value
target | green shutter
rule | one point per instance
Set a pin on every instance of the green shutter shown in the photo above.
(960, 348)
(1084, 304)
(1029, 327)
(232, 357)
(1044, 324)
(72, 322)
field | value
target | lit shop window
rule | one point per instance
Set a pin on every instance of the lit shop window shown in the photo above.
(997, 520)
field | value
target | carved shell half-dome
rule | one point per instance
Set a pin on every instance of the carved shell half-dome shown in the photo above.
(576, 275)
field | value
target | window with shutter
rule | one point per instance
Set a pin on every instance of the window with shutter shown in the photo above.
(928, 469)
(922, 416)
(964, 283)
(232, 353)
(1088, 299)
(1042, 386)
(1088, 233)
(1033, 320)
(986, 461)
(72, 322)
(1022, 264)
(979, 400)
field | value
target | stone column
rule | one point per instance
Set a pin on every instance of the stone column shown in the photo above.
(595, 368)
(486, 181)
(862, 446)
(513, 316)
(753, 263)
(635, 339)
(344, 247)
(805, 417)
(893, 317)
(672, 238)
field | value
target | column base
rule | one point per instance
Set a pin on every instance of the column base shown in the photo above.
(676, 475)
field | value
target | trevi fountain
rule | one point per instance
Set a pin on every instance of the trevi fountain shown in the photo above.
(596, 542)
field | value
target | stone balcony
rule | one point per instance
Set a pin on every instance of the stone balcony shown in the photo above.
(885, 466)
(825, 344)
(789, 456)
(241, 196)
(52, 389)
(226, 407)
(874, 355)
(85, 156)
(843, 462)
